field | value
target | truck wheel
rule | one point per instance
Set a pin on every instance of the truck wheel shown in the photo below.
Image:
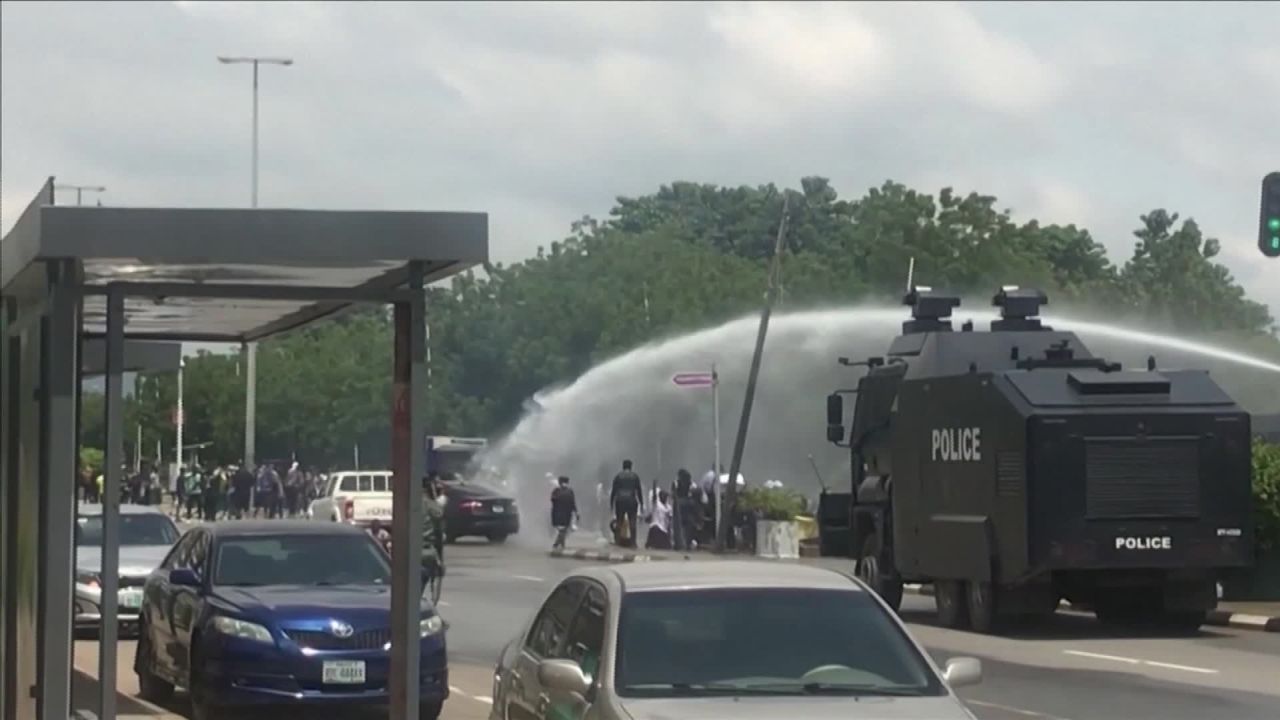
(869, 569)
(981, 598)
(948, 597)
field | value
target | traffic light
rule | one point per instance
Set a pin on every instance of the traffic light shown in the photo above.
(1269, 224)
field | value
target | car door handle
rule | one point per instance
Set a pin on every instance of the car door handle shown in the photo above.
(544, 704)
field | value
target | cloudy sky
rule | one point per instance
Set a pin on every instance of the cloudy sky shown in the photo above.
(540, 113)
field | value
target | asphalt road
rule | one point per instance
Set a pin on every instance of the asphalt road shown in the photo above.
(1068, 668)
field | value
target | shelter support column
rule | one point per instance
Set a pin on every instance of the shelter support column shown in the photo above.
(60, 366)
(114, 460)
(408, 463)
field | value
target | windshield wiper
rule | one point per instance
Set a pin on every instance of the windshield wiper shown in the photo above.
(827, 688)
(712, 689)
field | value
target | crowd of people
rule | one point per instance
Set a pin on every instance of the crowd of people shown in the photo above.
(682, 517)
(213, 493)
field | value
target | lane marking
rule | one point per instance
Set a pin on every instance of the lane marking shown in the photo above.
(1100, 656)
(443, 603)
(530, 578)
(1019, 711)
(1139, 661)
(1187, 668)
(462, 693)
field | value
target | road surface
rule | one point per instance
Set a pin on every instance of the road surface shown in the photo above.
(1069, 668)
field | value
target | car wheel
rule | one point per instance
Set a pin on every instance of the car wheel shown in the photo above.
(202, 696)
(497, 538)
(150, 687)
(430, 710)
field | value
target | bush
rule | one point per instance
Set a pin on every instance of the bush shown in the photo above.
(1266, 494)
(776, 504)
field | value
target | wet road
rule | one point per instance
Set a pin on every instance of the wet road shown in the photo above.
(1069, 668)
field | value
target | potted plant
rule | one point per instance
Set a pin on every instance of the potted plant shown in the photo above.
(775, 510)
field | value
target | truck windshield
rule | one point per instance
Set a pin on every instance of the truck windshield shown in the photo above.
(678, 643)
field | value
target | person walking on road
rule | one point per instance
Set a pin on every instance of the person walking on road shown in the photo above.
(627, 500)
(564, 511)
(265, 491)
(193, 491)
(659, 537)
(687, 512)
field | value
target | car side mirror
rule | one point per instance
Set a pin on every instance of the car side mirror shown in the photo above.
(184, 577)
(563, 676)
(962, 671)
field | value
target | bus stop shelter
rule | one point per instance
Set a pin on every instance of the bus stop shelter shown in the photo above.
(113, 275)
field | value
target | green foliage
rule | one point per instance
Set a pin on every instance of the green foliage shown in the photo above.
(685, 257)
(91, 460)
(777, 504)
(1266, 494)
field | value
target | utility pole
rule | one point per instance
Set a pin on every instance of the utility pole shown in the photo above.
(250, 349)
(735, 465)
(81, 190)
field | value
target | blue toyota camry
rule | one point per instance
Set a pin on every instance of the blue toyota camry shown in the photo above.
(277, 612)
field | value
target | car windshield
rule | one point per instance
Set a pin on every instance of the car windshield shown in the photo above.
(678, 643)
(143, 529)
(305, 559)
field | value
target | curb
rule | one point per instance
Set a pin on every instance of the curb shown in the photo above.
(1216, 618)
(605, 556)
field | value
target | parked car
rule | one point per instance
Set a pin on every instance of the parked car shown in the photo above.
(726, 640)
(278, 613)
(356, 497)
(146, 536)
(472, 509)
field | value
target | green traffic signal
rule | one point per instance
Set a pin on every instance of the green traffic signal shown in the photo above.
(1274, 224)
(1275, 243)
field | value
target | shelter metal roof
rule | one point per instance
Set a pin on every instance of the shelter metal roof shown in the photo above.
(208, 250)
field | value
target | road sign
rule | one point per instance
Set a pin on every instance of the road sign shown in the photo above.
(694, 379)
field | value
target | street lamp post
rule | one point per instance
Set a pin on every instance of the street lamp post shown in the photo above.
(81, 190)
(250, 349)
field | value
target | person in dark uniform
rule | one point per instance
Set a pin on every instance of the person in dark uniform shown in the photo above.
(564, 511)
(627, 500)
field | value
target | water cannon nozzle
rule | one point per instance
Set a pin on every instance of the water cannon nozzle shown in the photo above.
(1019, 308)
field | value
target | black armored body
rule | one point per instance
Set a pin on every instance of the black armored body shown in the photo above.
(1013, 469)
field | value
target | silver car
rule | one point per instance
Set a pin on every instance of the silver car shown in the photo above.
(146, 534)
(735, 640)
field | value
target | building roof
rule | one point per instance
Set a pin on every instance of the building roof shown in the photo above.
(200, 249)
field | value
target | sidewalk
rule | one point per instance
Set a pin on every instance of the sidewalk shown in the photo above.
(1263, 616)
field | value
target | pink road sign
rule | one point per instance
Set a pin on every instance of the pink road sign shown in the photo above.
(694, 379)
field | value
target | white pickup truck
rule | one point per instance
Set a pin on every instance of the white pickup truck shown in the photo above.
(357, 497)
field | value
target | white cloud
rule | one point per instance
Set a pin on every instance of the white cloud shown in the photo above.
(538, 113)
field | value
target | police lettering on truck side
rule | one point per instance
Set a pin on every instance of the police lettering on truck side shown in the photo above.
(1144, 543)
(956, 444)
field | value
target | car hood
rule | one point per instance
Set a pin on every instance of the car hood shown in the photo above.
(360, 604)
(135, 560)
(810, 708)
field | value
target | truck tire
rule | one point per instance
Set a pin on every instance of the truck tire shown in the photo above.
(949, 599)
(1182, 623)
(870, 569)
(981, 600)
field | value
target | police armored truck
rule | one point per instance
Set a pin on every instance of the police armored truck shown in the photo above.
(1012, 469)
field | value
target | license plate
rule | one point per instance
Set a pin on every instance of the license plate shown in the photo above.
(343, 672)
(130, 598)
(380, 512)
(499, 509)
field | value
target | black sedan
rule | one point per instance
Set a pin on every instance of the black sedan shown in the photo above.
(473, 510)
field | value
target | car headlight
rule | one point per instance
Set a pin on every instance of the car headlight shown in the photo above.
(431, 625)
(242, 629)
